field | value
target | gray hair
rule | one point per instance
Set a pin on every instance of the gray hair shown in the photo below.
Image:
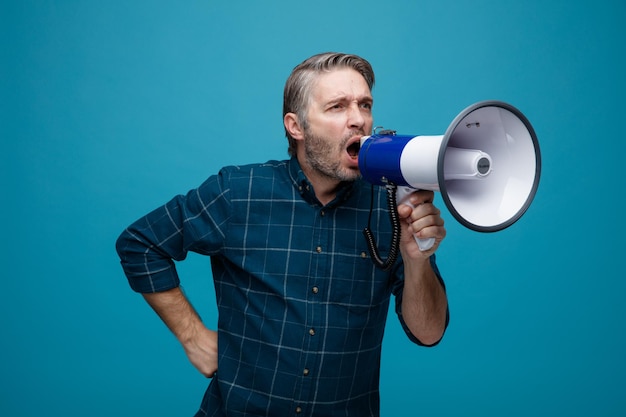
(300, 82)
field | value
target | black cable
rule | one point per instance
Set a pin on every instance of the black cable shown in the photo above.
(394, 246)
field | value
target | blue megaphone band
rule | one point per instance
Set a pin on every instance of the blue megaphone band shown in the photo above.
(379, 159)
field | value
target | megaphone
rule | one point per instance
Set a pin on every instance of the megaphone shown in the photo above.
(486, 166)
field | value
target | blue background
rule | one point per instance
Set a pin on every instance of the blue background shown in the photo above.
(108, 109)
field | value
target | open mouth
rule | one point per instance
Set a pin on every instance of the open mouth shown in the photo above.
(353, 149)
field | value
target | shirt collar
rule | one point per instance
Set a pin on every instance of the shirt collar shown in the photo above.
(305, 188)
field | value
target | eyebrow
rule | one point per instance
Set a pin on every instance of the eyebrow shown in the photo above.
(345, 97)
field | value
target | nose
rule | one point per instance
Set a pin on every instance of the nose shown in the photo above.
(356, 119)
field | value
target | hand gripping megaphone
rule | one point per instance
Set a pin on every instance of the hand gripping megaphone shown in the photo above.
(486, 166)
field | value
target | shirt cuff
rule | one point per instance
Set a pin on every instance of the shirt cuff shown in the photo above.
(154, 281)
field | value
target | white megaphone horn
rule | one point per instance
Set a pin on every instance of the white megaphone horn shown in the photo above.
(486, 166)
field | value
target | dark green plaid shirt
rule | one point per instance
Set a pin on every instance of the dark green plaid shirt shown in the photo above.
(302, 309)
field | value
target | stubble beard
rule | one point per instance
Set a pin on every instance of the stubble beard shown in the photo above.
(325, 157)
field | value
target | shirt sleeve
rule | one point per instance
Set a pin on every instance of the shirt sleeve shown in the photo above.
(192, 222)
(397, 291)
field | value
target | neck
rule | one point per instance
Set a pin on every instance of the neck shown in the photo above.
(325, 187)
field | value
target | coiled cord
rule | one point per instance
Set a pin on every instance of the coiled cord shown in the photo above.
(394, 247)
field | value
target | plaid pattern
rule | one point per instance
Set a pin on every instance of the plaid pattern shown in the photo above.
(301, 307)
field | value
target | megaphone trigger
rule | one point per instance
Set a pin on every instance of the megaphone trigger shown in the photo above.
(403, 196)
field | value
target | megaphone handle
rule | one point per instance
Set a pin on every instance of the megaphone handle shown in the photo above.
(402, 197)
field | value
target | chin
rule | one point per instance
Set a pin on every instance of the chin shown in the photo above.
(349, 175)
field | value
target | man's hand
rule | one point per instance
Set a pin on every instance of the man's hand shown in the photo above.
(423, 221)
(202, 351)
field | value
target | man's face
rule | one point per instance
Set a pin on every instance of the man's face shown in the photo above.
(339, 114)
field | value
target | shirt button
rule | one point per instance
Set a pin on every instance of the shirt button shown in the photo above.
(298, 410)
(305, 372)
(315, 290)
(318, 249)
(363, 255)
(322, 213)
(312, 332)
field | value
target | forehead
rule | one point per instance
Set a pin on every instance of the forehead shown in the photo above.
(340, 83)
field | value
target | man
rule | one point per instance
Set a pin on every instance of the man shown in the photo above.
(301, 307)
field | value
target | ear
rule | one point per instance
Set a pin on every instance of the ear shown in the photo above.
(292, 125)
